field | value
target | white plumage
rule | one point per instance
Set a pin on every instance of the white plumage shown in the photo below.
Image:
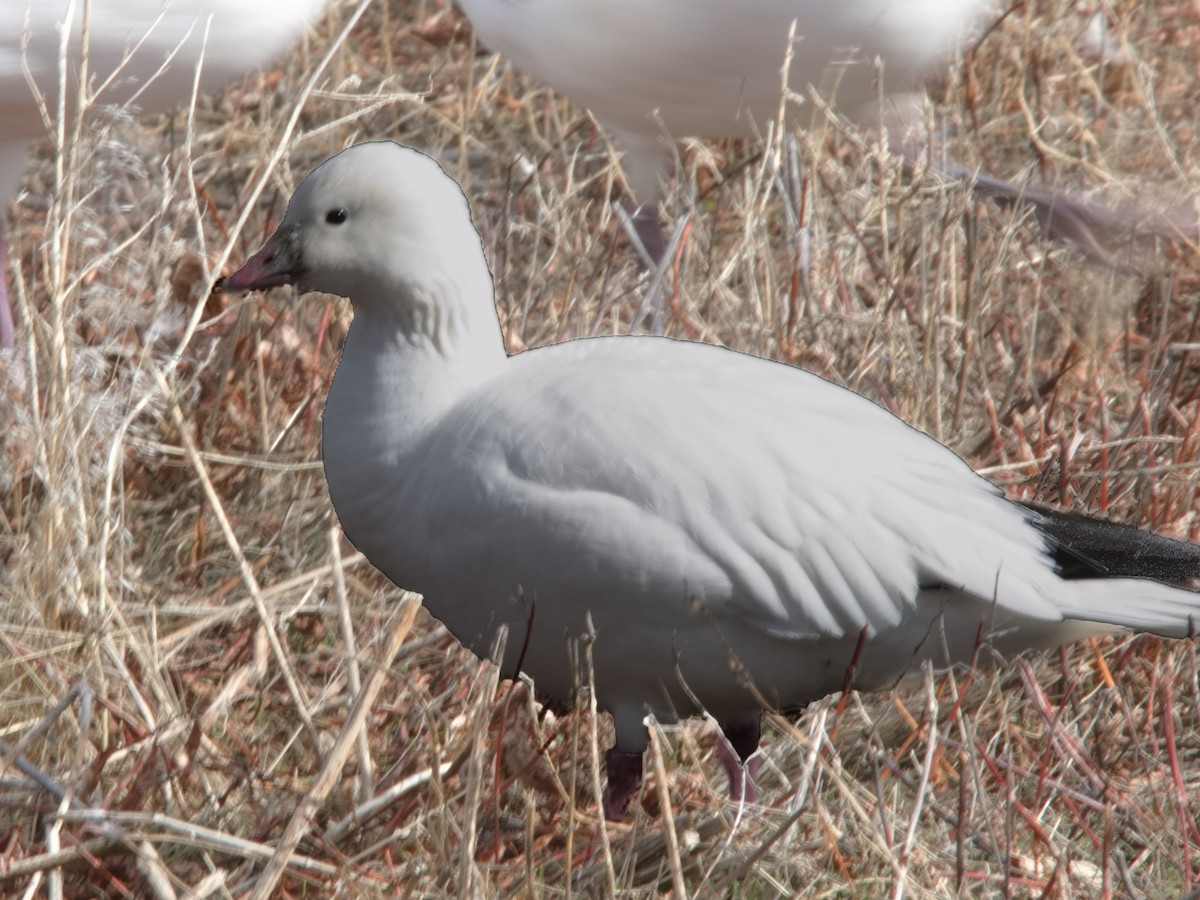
(144, 52)
(730, 527)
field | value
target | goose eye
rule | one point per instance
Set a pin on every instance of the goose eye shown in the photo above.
(335, 216)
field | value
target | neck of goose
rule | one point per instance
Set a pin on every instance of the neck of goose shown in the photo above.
(406, 364)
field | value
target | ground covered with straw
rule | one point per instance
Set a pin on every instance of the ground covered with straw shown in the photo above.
(188, 643)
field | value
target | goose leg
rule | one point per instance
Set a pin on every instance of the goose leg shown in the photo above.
(12, 164)
(7, 332)
(646, 158)
(624, 779)
(650, 232)
(735, 751)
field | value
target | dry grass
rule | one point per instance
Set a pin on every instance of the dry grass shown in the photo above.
(175, 589)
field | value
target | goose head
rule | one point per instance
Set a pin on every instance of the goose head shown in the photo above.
(384, 226)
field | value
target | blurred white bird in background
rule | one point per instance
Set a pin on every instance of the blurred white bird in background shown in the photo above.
(657, 71)
(146, 53)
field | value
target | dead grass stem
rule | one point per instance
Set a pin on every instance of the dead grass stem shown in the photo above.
(165, 531)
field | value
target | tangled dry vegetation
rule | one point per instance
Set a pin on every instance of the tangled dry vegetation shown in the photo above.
(185, 633)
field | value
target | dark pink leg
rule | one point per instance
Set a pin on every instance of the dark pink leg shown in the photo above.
(735, 750)
(7, 332)
(624, 779)
(650, 233)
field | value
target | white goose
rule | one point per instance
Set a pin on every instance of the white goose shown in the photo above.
(729, 529)
(140, 51)
(712, 68)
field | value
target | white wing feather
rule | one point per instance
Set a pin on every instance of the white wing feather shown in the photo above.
(778, 499)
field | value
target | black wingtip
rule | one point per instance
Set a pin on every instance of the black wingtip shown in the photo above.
(1085, 547)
